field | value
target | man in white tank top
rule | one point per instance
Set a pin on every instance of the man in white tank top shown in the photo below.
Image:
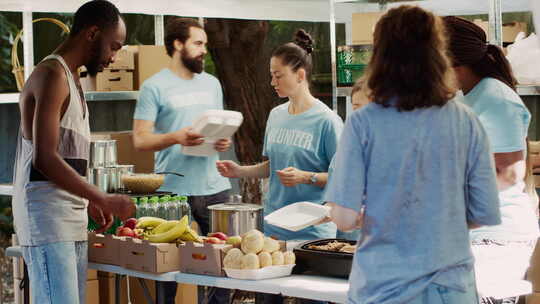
(52, 197)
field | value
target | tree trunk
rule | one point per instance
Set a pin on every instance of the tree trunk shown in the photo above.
(242, 65)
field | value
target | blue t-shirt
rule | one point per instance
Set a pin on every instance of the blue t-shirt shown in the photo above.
(173, 103)
(421, 175)
(506, 121)
(306, 141)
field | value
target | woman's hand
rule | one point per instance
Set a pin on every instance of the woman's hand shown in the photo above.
(229, 168)
(291, 176)
(222, 145)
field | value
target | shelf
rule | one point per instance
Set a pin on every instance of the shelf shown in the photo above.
(523, 90)
(90, 96)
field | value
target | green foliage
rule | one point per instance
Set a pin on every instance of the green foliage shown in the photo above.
(8, 30)
(6, 216)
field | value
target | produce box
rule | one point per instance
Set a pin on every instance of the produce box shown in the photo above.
(104, 249)
(142, 255)
(203, 258)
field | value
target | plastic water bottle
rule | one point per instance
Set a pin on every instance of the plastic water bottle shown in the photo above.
(172, 208)
(142, 208)
(152, 206)
(184, 208)
(162, 207)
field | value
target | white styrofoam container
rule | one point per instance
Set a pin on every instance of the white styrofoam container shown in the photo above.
(297, 216)
(213, 125)
(269, 272)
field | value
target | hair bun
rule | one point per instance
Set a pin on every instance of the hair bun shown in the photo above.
(304, 40)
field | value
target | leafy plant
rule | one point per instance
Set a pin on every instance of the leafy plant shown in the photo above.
(8, 31)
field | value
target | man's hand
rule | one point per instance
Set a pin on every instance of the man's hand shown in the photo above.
(291, 177)
(186, 137)
(228, 168)
(222, 145)
(104, 220)
(115, 204)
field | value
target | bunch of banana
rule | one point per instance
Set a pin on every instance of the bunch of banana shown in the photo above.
(149, 222)
(190, 235)
(168, 231)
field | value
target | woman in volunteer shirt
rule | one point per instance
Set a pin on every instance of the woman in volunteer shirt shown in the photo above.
(300, 140)
(486, 79)
(419, 163)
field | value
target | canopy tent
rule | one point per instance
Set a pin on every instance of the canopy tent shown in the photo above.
(298, 10)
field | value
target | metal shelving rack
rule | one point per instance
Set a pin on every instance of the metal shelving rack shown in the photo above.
(28, 51)
(495, 27)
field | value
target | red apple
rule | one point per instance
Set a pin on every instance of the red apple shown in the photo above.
(117, 232)
(125, 231)
(213, 240)
(220, 235)
(130, 223)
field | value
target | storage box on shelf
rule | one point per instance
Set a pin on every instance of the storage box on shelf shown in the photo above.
(149, 59)
(363, 25)
(509, 30)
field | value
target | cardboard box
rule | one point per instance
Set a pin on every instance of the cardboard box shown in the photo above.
(114, 80)
(149, 59)
(533, 273)
(509, 30)
(107, 289)
(202, 258)
(126, 153)
(91, 275)
(186, 293)
(149, 257)
(124, 60)
(92, 292)
(533, 298)
(104, 249)
(363, 26)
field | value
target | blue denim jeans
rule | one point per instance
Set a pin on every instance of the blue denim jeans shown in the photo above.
(57, 272)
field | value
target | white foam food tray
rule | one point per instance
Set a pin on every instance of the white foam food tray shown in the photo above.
(297, 216)
(213, 125)
(269, 272)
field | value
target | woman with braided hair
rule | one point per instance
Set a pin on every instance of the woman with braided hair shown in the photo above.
(484, 75)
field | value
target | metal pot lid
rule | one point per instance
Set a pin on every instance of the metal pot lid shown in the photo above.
(235, 207)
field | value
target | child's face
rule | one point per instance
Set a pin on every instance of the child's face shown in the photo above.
(359, 99)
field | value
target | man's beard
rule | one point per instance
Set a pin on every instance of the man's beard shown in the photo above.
(95, 55)
(194, 64)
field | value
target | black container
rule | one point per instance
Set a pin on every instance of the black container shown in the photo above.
(320, 262)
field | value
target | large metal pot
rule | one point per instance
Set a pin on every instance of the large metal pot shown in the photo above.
(102, 153)
(99, 178)
(235, 217)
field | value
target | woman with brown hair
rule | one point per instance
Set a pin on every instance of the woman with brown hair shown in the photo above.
(486, 79)
(419, 165)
